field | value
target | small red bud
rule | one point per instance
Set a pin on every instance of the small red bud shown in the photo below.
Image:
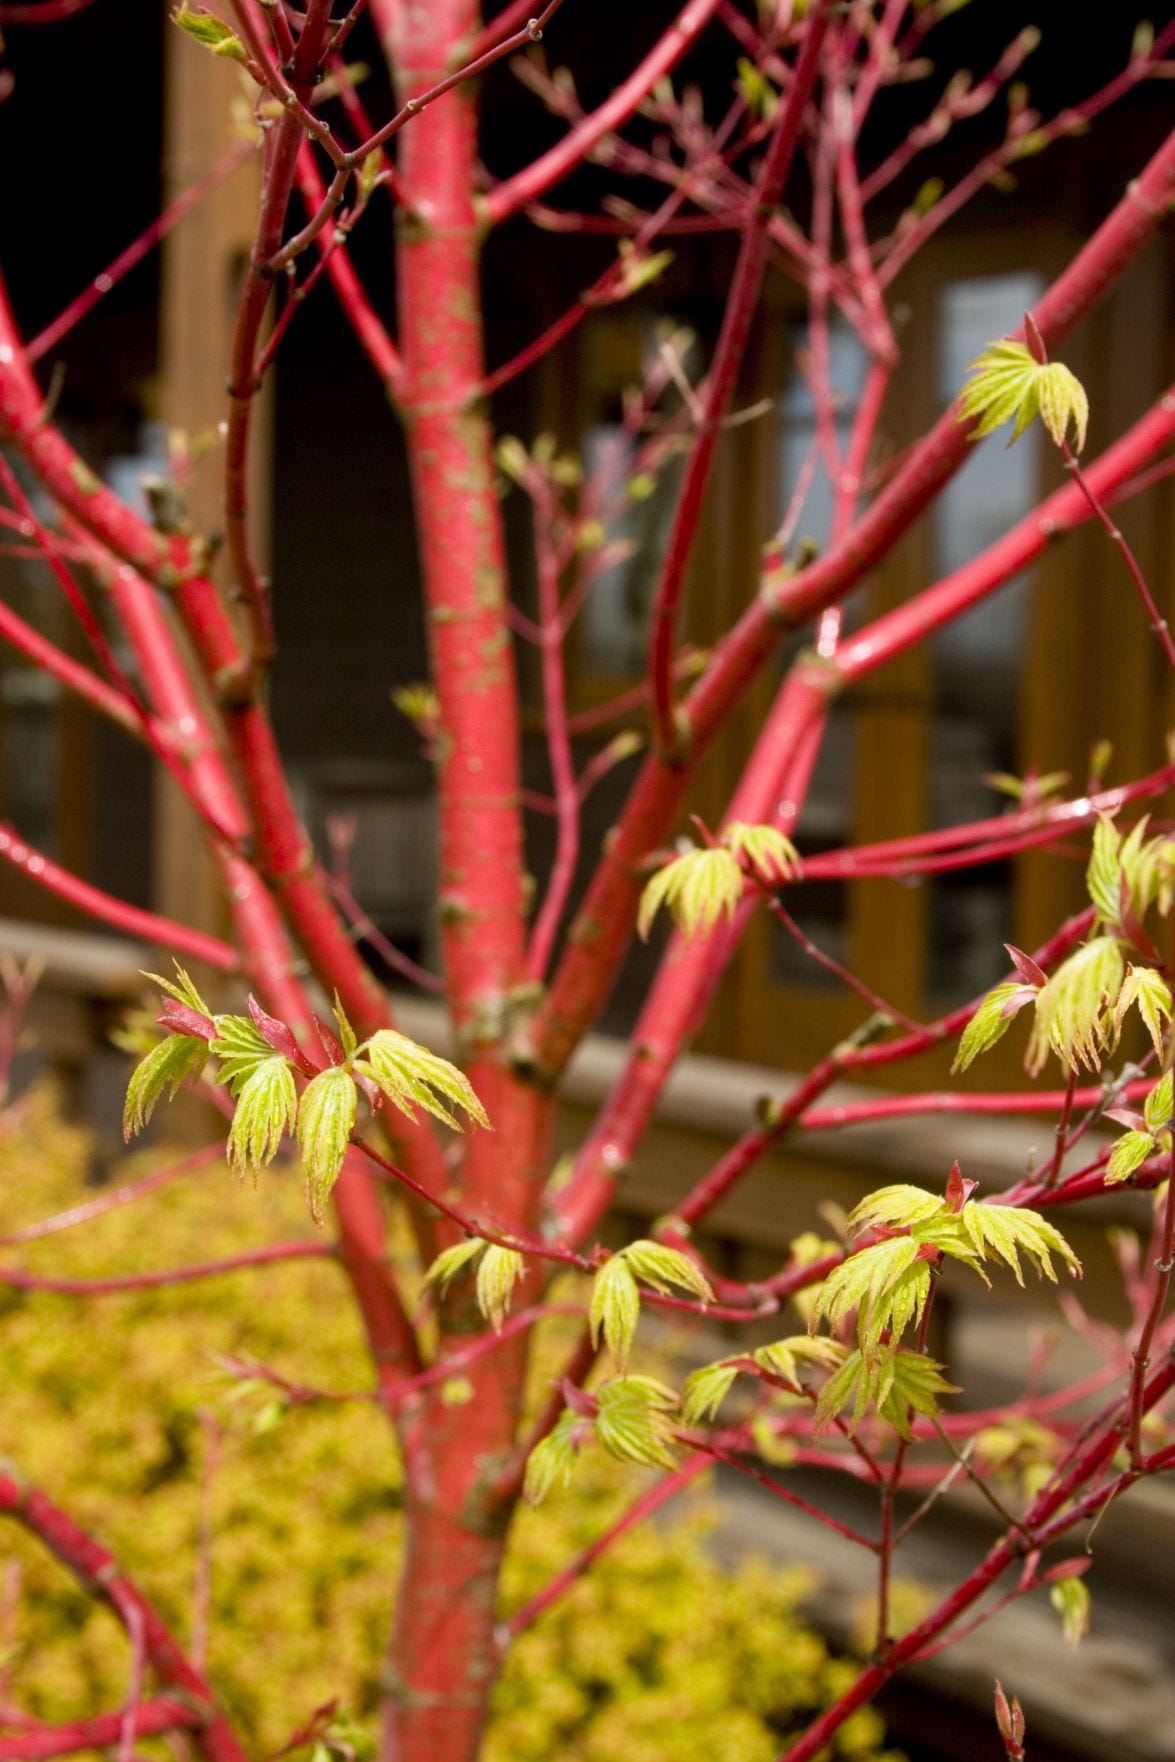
(959, 1190)
(1029, 971)
(1035, 341)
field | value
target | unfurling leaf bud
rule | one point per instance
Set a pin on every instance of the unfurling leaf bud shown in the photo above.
(1070, 1598)
(1010, 1719)
(209, 30)
(1012, 382)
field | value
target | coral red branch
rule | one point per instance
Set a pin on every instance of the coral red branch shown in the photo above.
(574, 149)
(131, 919)
(134, 253)
(585, 972)
(273, 1254)
(72, 674)
(667, 1488)
(97, 1570)
(724, 370)
(102, 1732)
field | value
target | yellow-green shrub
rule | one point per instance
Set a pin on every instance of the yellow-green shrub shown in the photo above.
(112, 1403)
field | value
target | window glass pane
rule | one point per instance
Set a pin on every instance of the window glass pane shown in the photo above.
(976, 661)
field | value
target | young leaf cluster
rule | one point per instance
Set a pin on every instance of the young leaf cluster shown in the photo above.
(257, 1061)
(706, 1388)
(1008, 384)
(701, 886)
(498, 1271)
(1080, 1010)
(1129, 874)
(891, 1380)
(1147, 1133)
(632, 1422)
(888, 1283)
(615, 1305)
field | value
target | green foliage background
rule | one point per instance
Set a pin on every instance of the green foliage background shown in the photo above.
(662, 1655)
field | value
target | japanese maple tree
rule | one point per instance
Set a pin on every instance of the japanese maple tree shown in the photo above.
(299, 1041)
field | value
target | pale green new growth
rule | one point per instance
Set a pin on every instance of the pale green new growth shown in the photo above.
(889, 1379)
(1160, 1103)
(890, 1206)
(209, 30)
(1070, 1598)
(990, 1022)
(418, 703)
(1129, 1153)
(704, 1391)
(346, 1032)
(513, 460)
(552, 1461)
(1063, 404)
(240, 1050)
(1020, 1449)
(1134, 1147)
(615, 1305)
(1145, 865)
(633, 1423)
(262, 1084)
(1102, 877)
(1150, 991)
(766, 851)
(615, 1308)
(639, 269)
(660, 1268)
(1004, 1232)
(1009, 385)
(267, 1107)
(1074, 1011)
(698, 888)
(1080, 1011)
(178, 1059)
(411, 1076)
(326, 1119)
(450, 1261)
(181, 988)
(783, 1358)
(498, 1271)
(759, 95)
(886, 1284)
